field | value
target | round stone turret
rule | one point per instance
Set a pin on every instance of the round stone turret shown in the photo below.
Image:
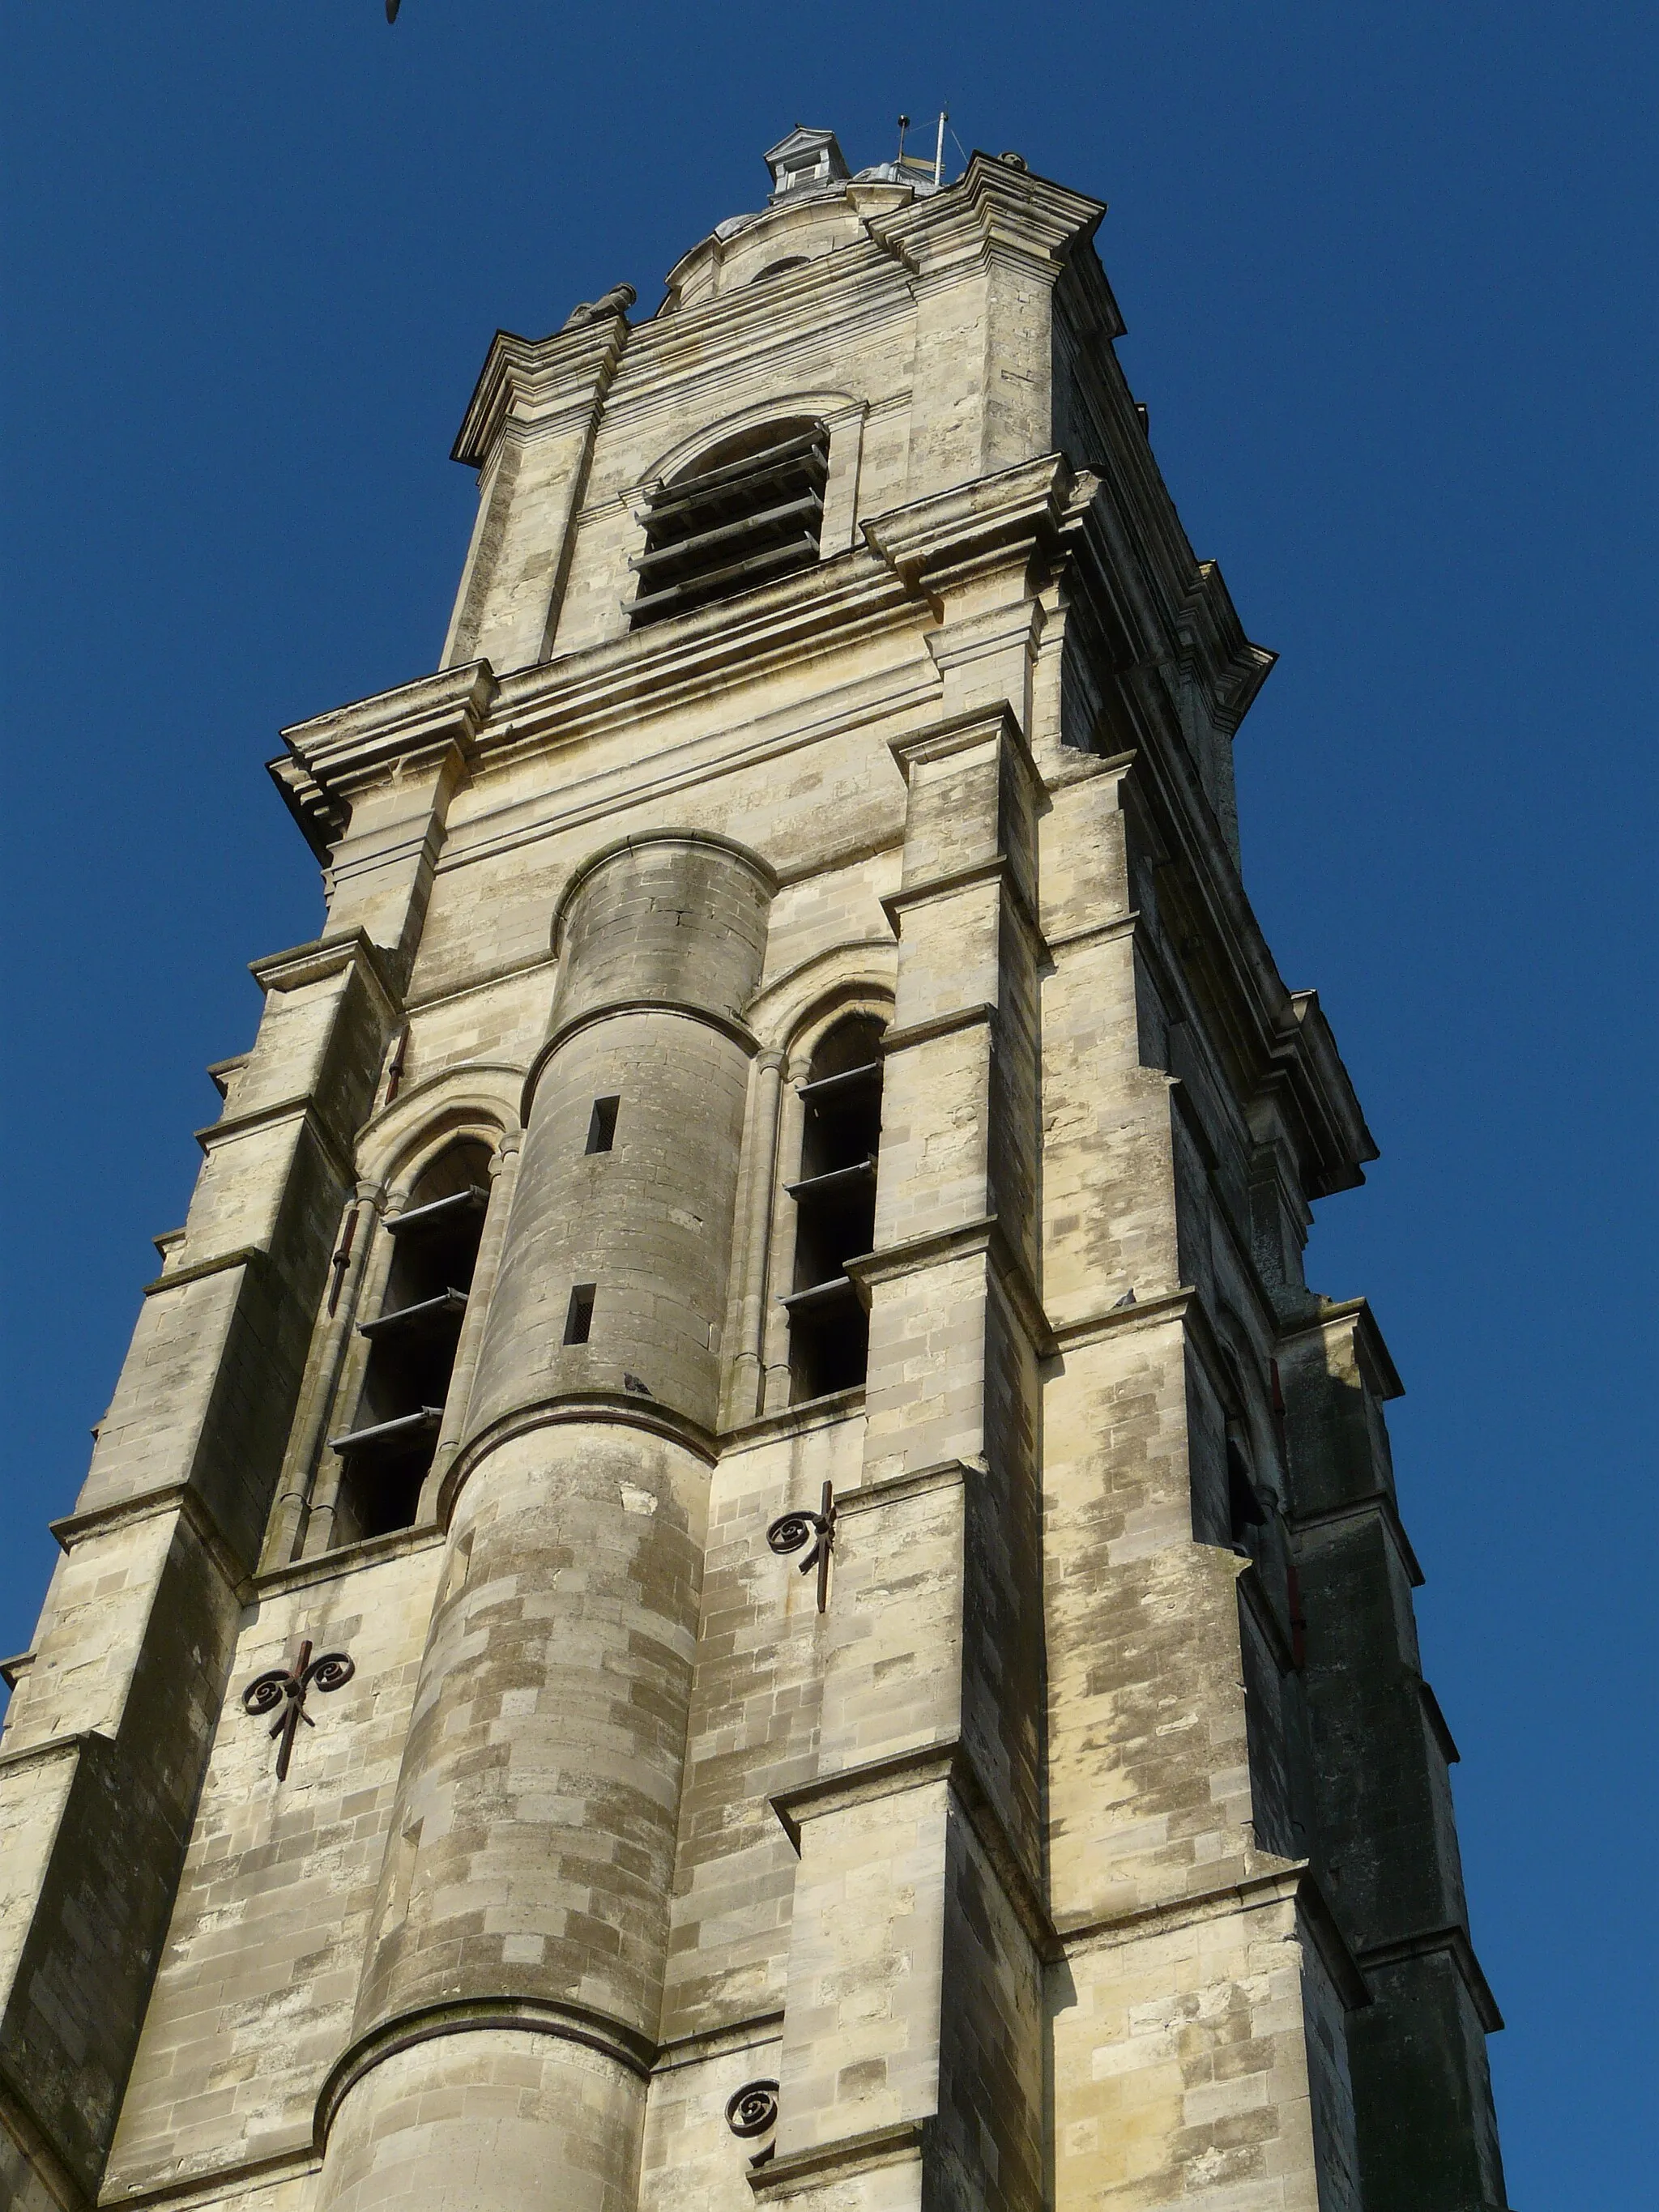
(515, 1983)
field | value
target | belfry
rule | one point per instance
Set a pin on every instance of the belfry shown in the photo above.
(733, 1566)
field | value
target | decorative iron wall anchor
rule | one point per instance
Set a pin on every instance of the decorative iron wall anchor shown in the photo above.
(791, 1530)
(753, 2111)
(282, 1692)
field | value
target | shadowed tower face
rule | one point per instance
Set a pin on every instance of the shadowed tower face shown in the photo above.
(738, 1394)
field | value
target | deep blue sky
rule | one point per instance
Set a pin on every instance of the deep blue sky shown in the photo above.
(1385, 272)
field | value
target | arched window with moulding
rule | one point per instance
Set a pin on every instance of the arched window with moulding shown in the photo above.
(835, 1199)
(749, 512)
(388, 1448)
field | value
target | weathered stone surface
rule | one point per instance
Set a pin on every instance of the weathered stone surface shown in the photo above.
(1093, 1847)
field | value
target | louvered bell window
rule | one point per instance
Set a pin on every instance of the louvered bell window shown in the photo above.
(752, 514)
(835, 1199)
(412, 1343)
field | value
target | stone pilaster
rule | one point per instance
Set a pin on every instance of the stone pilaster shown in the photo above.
(106, 1736)
(912, 2043)
(530, 433)
(1422, 2088)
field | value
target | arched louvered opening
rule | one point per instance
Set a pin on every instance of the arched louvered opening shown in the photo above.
(412, 1343)
(835, 1200)
(750, 512)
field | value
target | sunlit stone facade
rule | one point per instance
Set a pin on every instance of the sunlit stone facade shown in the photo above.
(789, 1038)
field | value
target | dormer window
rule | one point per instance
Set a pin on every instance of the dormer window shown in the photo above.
(805, 160)
(751, 513)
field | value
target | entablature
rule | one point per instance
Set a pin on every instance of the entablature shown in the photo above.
(891, 582)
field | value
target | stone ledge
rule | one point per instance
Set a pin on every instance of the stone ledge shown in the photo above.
(325, 1566)
(893, 1489)
(316, 961)
(211, 2188)
(811, 1413)
(569, 2023)
(596, 1405)
(244, 1255)
(1287, 1882)
(890, 2146)
(1098, 933)
(759, 2029)
(1089, 1328)
(1455, 1943)
(618, 1009)
(55, 1747)
(182, 1497)
(948, 1762)
(898, 1038)
(1375, 1504)
(982, 1235)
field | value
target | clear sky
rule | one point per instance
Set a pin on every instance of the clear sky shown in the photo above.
(1386, 273)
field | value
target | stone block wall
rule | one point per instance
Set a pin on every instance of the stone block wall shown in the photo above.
(1093, 1843)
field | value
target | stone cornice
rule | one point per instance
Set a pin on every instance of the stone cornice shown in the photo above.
(1229, 669)
(695, 656)
(1452, 1942)
(533, 381)
(856, 287)
(1276, 1881)
(993, 211)
(241, 1256)
(847, 2156)
(1352, 1314)
(984, 1237)
(416, 725)
(465, 711)
(942, 1759)
(810, 1413)
(182, 1499)
(1031, 502)
(1372, 1505)
(587, 1018)
(348, 1559)
(1277, 1041)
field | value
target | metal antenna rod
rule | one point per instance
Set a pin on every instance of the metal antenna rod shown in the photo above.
(904, 125)
(939, 151)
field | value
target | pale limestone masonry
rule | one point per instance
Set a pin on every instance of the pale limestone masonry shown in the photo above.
(1092, 1848)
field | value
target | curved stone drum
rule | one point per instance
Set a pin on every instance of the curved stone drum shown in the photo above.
(511, 1998)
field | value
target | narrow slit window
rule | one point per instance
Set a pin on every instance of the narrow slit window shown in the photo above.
(413, 1340)
(579, 1315)
(835, 1199)
(602, 1125)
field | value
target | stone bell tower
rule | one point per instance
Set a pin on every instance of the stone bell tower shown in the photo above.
(733, 1566)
